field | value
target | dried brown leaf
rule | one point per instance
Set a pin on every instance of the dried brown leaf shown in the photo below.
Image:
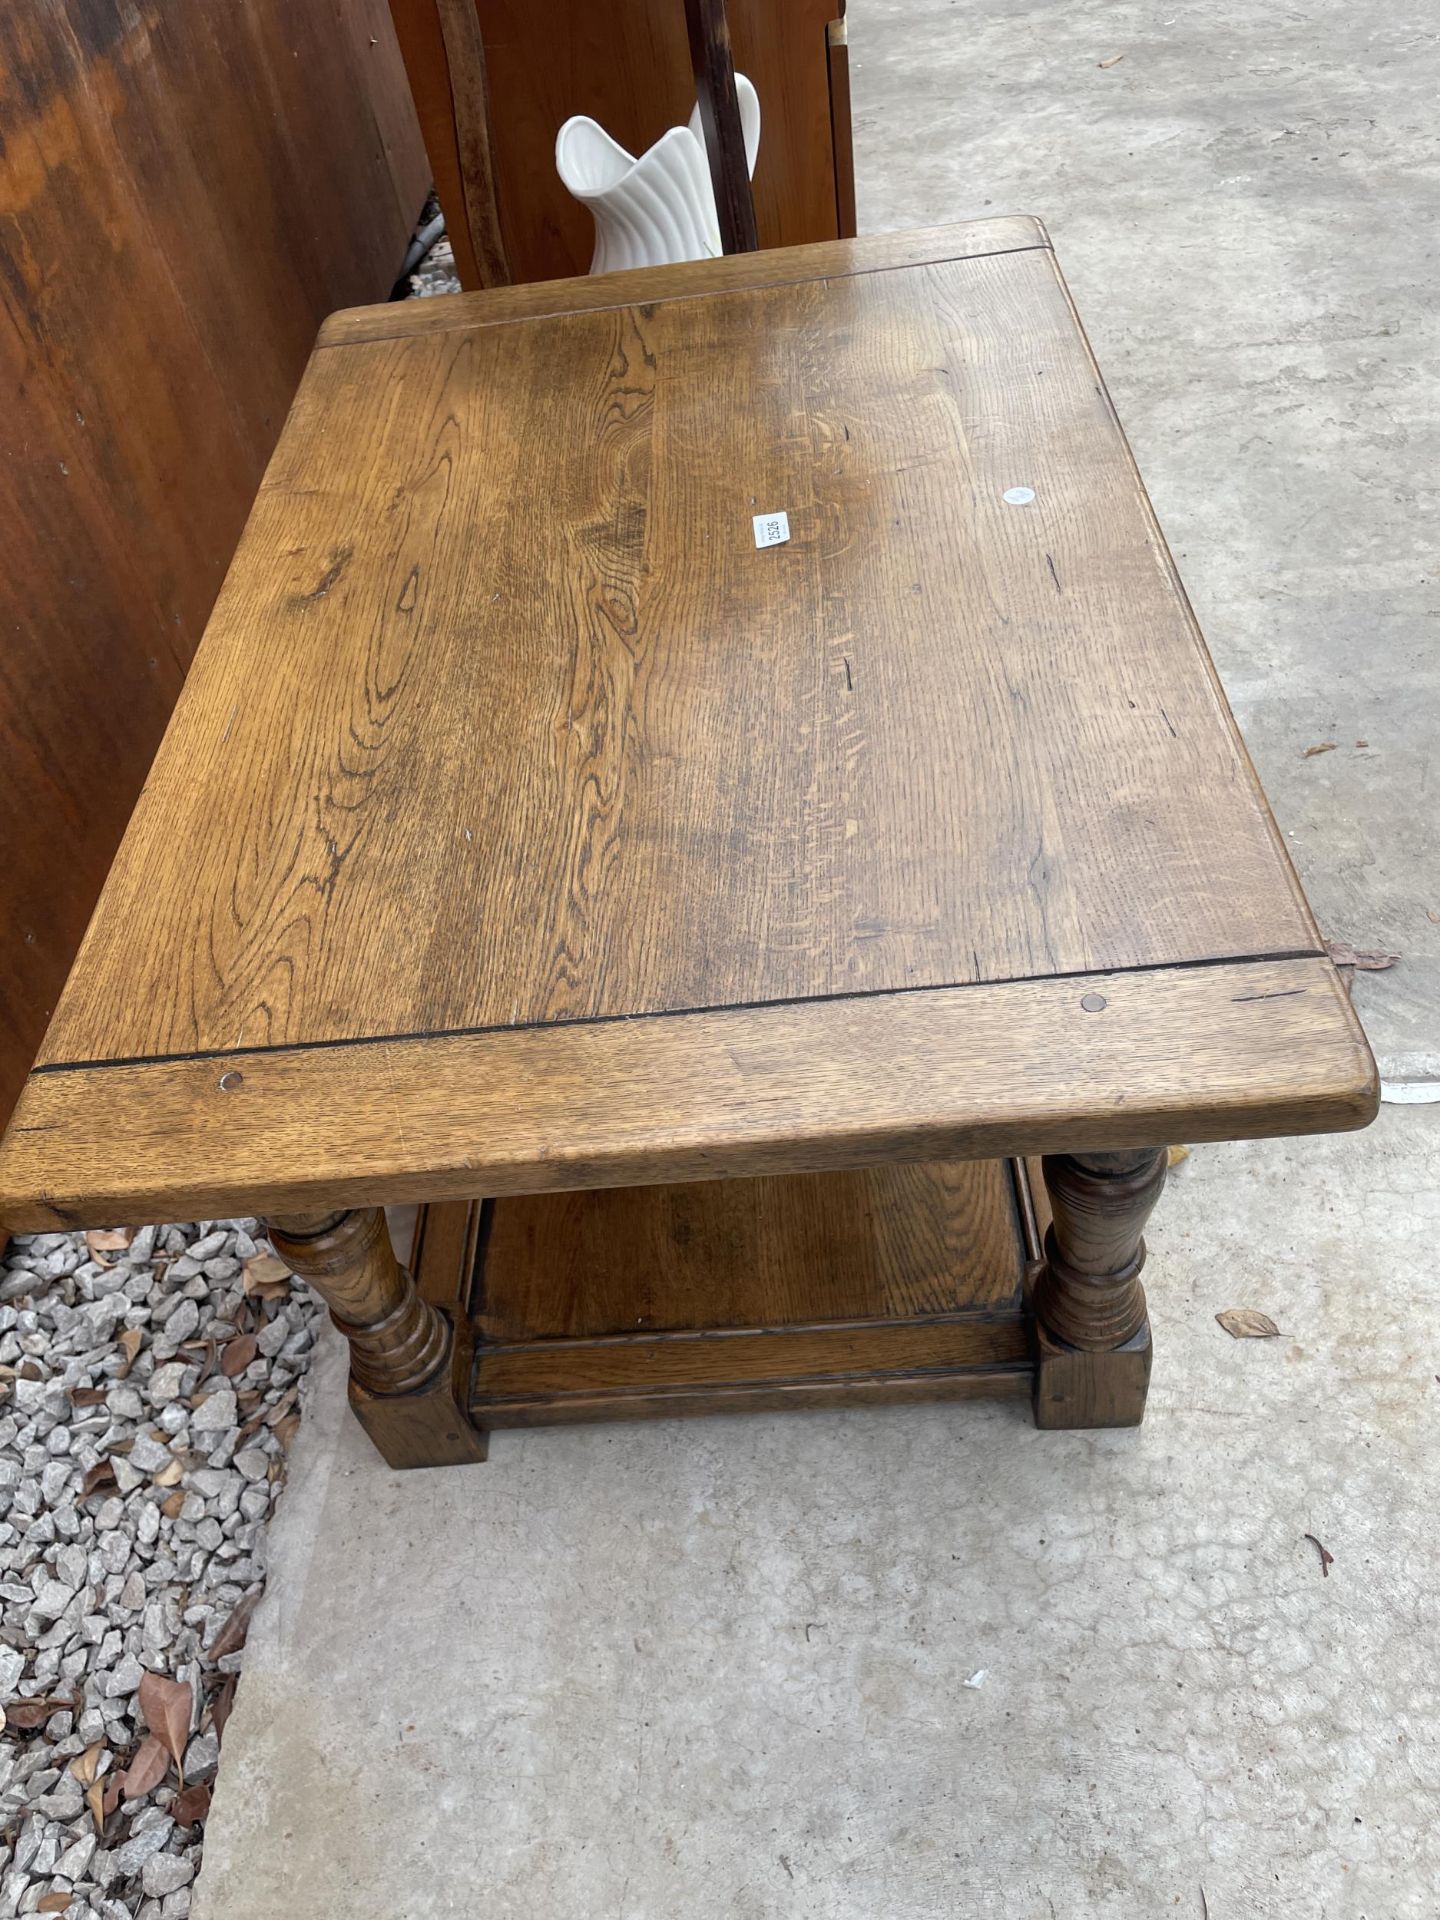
(107, 1245)
(191, 1806)
(1367, 959)
(86, 1766)
(147, 1769)
(222, 1705)
(1322, 746)
(167, 1706)
(265, 1271)
(110, 1799)
(238, 1354)
(172, 1503)
(231, 1636)
(1248, 1323)
(29, 1714)
(95, 1801)
(1174, 1156)
(1113, 61)
(169, 1473)
(130, 1343)
(285, 1432)
(100, 1475)
(281, 1407)
(54, 1902)
(87, 1396)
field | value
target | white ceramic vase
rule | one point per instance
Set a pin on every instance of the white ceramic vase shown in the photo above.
(660, 207)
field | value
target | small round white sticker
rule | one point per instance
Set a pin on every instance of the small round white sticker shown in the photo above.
(1018, 496)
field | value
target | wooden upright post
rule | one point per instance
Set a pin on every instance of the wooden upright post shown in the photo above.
(470, 95)
(720, 123)
(402, 1349)
(1092, 1333)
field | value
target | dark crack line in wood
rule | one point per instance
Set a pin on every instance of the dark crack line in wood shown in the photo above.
(682, 1013)
(460, 325)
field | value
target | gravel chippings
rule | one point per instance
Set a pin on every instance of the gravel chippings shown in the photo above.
(435, 271)
(148, 1393)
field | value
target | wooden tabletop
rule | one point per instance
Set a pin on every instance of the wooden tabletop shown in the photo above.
(523, 823)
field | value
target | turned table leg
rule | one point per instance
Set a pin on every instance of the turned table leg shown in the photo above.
(408, 1383)
(1091, 1331)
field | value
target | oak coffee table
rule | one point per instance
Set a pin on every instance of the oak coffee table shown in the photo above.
(706, 778)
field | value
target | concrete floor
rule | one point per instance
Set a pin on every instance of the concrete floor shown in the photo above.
(719, 1668)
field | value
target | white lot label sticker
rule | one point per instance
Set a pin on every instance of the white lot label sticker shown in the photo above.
(771, 529)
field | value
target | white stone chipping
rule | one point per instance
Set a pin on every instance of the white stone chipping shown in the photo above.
(140, 1574)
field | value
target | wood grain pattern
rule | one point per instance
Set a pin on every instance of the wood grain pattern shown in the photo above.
(944, 1344)
(397, 1339)
(410, 1357)
(728, 1290)
(469, 88)
(186, 191)
(430, 1425)
(523, 828)
(421, 37)
(626, 63)
(1089, 1294)
(442, 1255)
(968, 1382)
(615, 761)
(649, 286)
(1074, 1389)
(1194, 1053)
(1093, 1345)
(886, 1243)
(946, 1238)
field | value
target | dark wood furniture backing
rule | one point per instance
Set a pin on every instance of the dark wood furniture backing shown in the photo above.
(186, 192)
(627, 63)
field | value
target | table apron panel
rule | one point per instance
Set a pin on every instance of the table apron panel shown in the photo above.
(1240, 1050)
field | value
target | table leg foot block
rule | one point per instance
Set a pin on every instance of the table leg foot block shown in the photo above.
(429, 1427)
(1074, 1388)
(411, 1345)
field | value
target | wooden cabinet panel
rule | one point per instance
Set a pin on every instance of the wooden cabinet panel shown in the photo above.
(185, 192)
(627, 63)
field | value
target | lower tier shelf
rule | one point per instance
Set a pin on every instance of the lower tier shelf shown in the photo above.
(889, 1283)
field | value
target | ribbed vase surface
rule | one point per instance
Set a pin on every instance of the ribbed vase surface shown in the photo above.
(659, 207)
